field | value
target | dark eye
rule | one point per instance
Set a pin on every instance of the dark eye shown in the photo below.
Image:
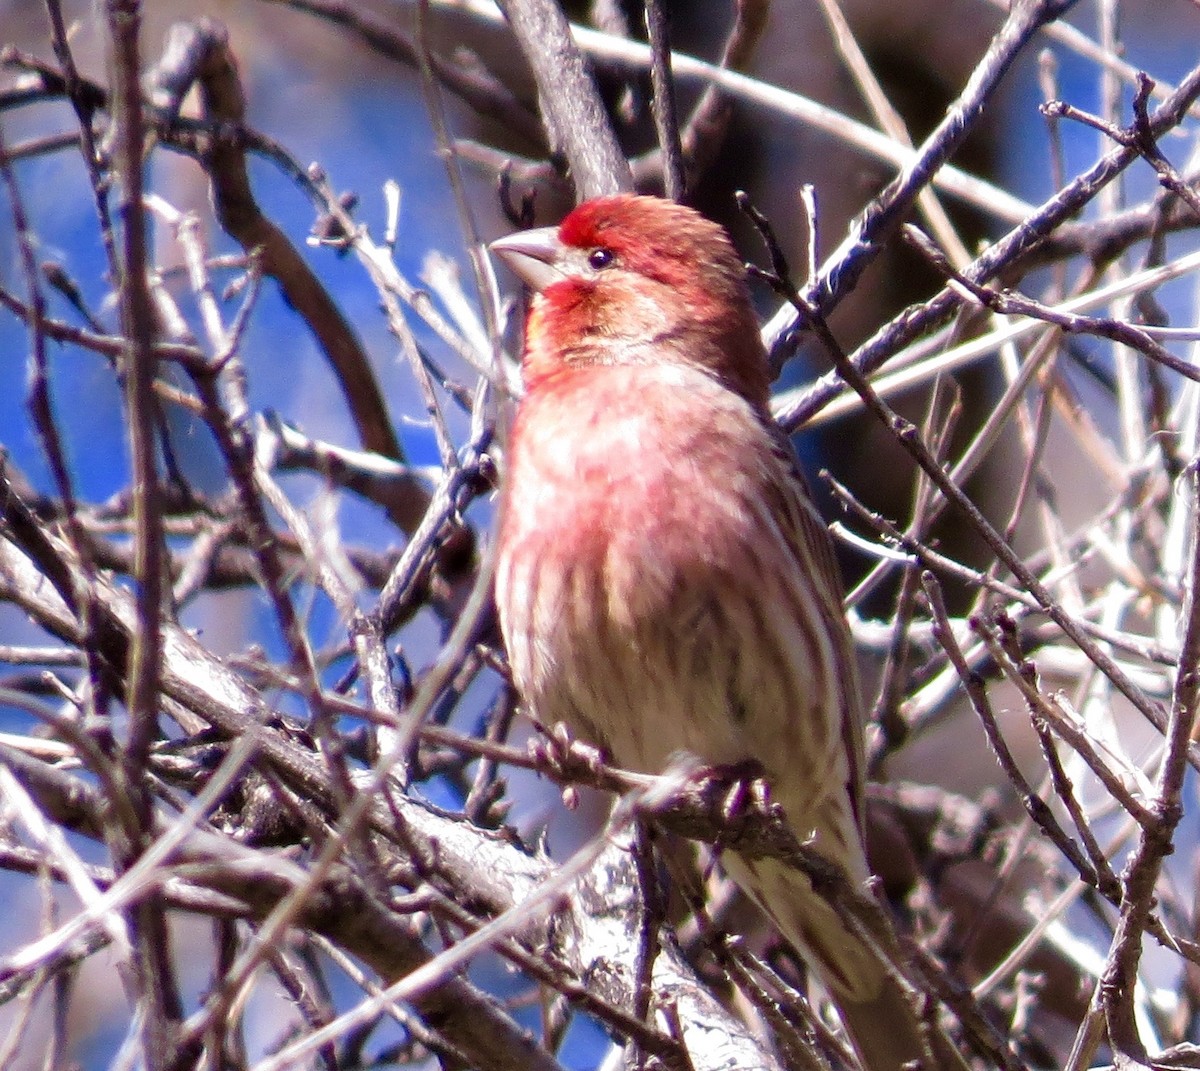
(600, 258)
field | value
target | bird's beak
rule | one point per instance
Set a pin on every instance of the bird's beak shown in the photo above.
(532, 255)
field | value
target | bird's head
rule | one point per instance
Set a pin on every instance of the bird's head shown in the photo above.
(633, 280)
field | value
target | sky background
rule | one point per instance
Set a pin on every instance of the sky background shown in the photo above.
(327, 100)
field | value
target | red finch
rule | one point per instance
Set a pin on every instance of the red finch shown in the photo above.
(664, 582)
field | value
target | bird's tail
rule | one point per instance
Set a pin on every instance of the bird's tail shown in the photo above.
(876, 1011)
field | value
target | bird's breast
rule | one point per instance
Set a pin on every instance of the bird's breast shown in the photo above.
(645, 589)
(634, 494)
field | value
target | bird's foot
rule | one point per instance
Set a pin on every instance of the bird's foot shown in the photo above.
(745, 789)
(728, 795)
(725, 802)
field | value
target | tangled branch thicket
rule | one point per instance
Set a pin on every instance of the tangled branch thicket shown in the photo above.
(288, 844)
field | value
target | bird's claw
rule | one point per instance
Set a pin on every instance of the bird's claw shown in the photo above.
(728, 792)
(748, 790)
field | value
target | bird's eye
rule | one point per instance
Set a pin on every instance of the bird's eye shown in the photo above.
(600, 258)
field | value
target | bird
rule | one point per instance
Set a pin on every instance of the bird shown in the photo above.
(664, 582)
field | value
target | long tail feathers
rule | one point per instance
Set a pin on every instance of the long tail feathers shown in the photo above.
(876, 1011)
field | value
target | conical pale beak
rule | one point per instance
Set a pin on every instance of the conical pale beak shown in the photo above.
(532, 255)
